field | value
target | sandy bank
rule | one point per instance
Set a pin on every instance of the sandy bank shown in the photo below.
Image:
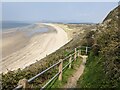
(38, 47)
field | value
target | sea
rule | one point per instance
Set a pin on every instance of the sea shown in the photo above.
(31, 27)
(13, 24)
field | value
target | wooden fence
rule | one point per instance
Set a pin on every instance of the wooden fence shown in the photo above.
(24, 83)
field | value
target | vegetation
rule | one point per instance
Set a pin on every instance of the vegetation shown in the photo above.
(94, 76)
(103, 69)
(66, 74)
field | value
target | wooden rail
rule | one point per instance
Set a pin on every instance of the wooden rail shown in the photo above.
(24, 83)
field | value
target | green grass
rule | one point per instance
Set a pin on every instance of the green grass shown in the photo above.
(93, 76)
(67, 73)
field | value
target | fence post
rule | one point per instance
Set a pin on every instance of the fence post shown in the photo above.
(60, 69)
(75, 54)
(78, 53)
(24, 83)
(70, 59)
(86, 50)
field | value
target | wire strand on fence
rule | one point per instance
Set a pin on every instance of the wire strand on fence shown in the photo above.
(18, 87)
(31, 79)
(68, 56)
(50, 81)
(79, 47)
(67, 65)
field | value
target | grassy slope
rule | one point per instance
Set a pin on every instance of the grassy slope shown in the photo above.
(103, 70)
(94, 76)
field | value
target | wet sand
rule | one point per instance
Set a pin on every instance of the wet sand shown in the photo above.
(12, 42)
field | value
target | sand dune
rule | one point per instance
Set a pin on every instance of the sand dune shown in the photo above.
(38, 47)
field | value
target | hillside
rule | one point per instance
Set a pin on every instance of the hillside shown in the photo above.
(103, 64)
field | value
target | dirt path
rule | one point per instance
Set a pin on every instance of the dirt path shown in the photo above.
(72, 81)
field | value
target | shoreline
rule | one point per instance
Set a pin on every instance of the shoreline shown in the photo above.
(38, 47)
(14, 40)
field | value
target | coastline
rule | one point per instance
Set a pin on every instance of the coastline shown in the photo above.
(38, 47)
(17, 38)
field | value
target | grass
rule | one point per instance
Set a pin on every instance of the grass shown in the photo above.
(93, 76)
(67, 73)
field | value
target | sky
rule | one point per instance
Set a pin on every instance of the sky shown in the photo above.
(59, 0)
(69, 12)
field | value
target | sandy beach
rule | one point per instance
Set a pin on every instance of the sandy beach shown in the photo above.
(17, 55)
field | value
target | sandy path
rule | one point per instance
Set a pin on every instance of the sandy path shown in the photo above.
(72, 81)
(38, 47)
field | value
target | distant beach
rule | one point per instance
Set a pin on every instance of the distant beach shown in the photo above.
(16, 38)
(22, 46)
